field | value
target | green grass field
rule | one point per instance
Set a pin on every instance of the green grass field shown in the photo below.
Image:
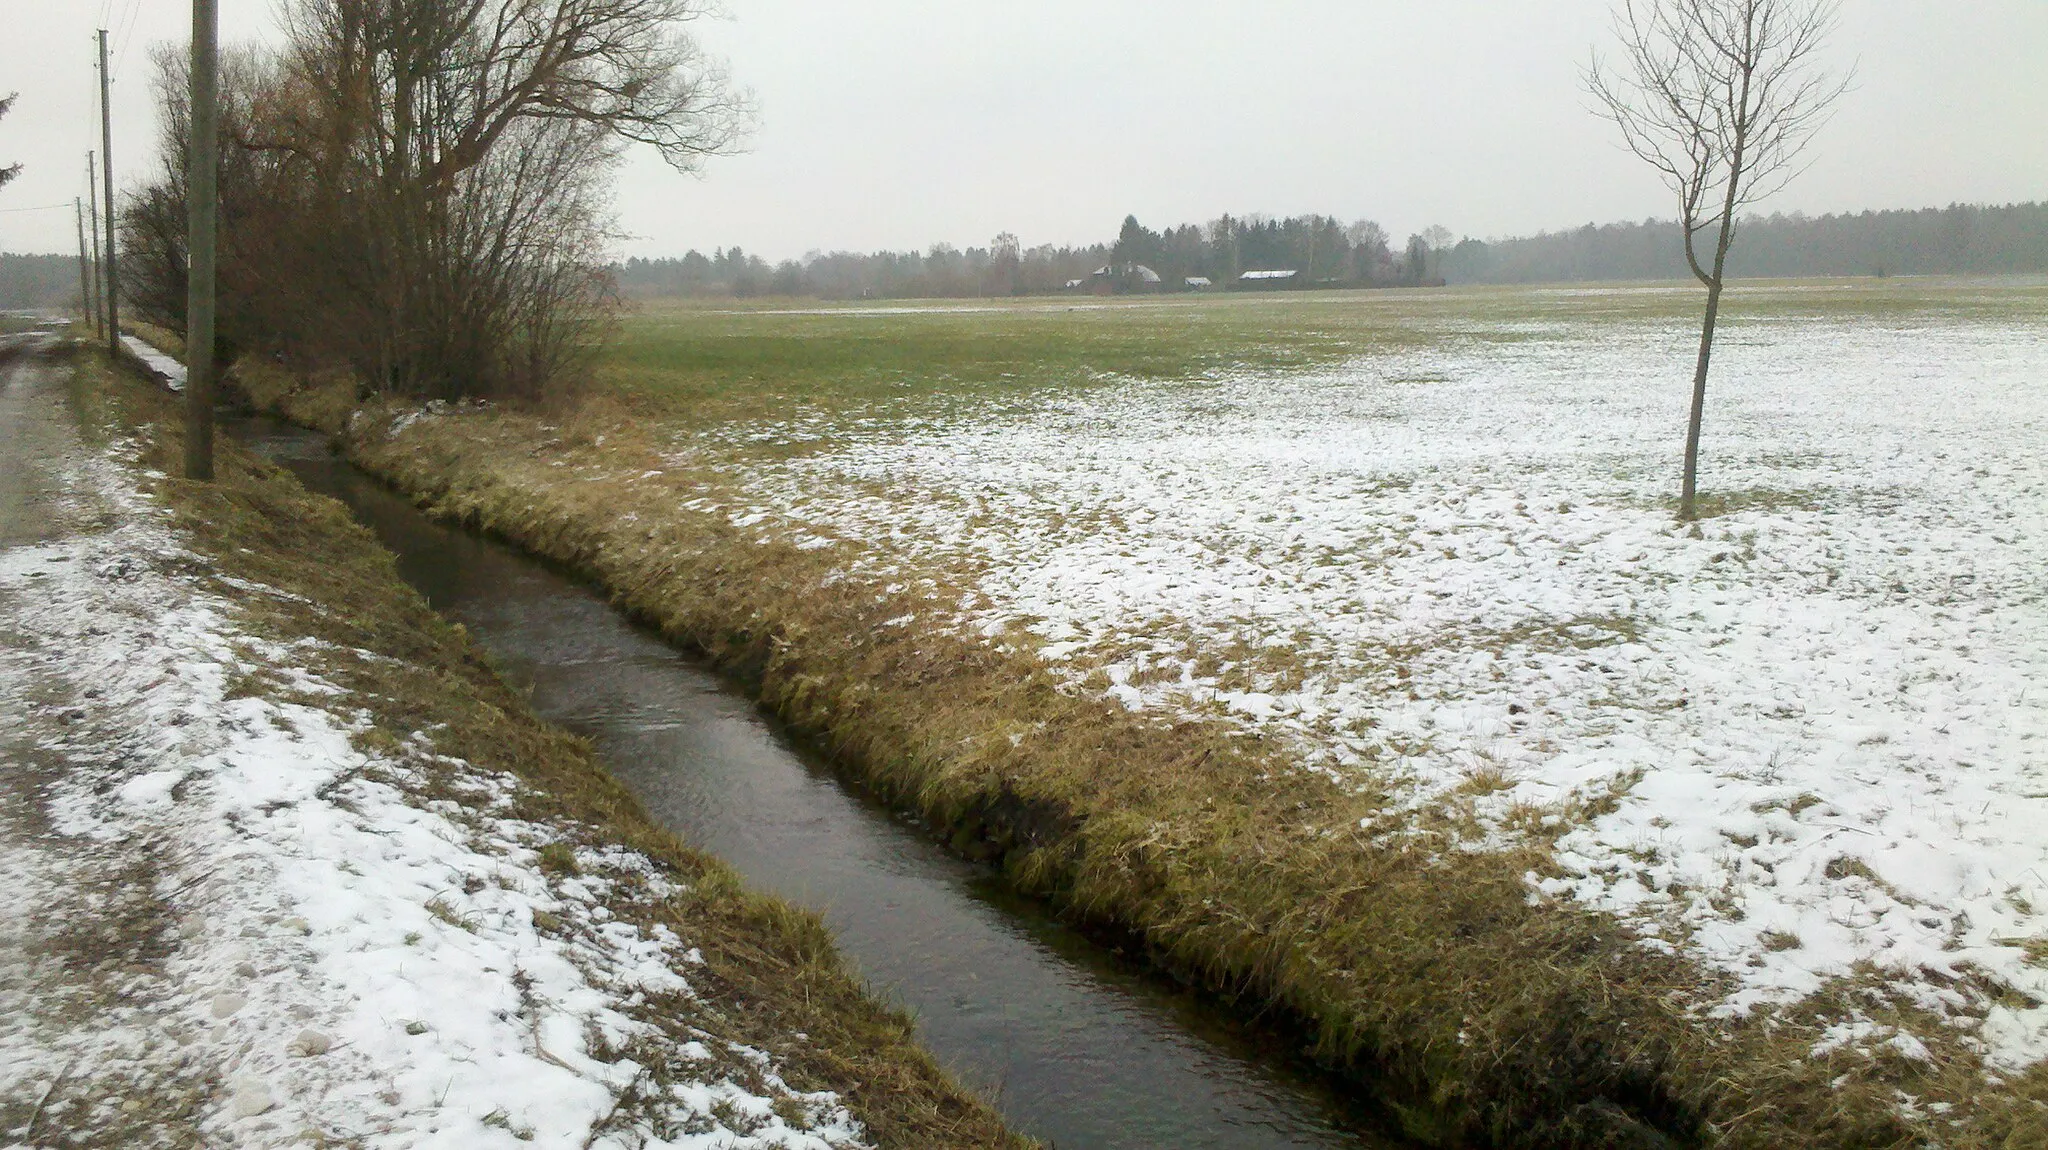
(713, 360)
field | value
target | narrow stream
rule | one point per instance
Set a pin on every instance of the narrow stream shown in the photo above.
(1075, 1046)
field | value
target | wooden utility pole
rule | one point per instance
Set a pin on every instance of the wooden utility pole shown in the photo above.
(84, 268)
(201, 173)
(99, 282)
(107, 178)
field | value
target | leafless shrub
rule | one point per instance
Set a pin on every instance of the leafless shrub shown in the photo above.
(417, 188)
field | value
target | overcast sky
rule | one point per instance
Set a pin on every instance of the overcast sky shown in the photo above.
(901, 123)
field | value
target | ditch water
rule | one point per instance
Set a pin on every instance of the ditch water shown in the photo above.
(1075, 1046)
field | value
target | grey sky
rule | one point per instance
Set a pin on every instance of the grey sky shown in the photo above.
(901, 123)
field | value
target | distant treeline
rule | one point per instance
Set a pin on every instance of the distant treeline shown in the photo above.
(1320, 248)
(1960, 239)
(37, 280)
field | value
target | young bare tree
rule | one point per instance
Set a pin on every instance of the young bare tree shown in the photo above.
(1721, 97)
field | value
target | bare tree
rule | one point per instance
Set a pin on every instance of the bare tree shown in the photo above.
(433, 85)
(1006, 260)
(1721, 97)
(418, 188)
(419, 110)
(1439, 239)
(1369, 247)
(8, 173)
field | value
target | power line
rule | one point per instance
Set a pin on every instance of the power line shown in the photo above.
(37, 208)
(127, 35)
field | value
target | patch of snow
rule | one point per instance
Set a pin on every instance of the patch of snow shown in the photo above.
(1827, 711)
(350, 958)
(168, 371)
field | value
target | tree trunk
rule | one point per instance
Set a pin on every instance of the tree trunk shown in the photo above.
(1686, 508)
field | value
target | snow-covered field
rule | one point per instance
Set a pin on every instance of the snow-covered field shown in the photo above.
(319, 951)
(1454, 567)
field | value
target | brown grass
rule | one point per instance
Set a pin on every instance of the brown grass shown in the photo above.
(771, 971)
(1426, 975)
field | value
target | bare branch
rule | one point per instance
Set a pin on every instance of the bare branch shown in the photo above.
(1721, 98)
(8, 173)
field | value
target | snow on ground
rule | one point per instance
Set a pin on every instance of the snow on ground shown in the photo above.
(167, 369)
(1454, 568)
(338, 954)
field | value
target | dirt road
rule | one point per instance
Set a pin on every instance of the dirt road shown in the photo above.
(86, 1055)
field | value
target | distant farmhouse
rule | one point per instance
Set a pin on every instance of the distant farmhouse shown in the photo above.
(1273, 279)
(1119, 279)
(1133, 279)
(1136, 278)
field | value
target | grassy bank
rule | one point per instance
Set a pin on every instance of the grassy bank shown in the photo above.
(771, 978)
(1430, 975)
